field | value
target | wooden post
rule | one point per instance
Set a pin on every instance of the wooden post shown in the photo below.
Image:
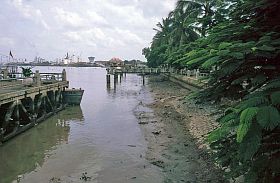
(115, 78)
(32, 106)
(16, 111)
(37, 78)
(188, 73)
(1, 135)
(108, 81)
(64, 78)
(115, 85)
(5, 73)
(53, 78)
(197, 74)
(143, 79)
(108, 78)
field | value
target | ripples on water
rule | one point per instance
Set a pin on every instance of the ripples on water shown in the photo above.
(100, 137)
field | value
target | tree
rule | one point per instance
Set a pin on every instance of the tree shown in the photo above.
(201, 14)
(248, 56)
(27, 72)
(242, 39)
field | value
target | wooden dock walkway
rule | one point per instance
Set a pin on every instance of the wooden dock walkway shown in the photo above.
(191, 79)
(145, 71)
(24, 102)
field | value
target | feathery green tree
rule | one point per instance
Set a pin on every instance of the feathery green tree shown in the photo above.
(241, 39)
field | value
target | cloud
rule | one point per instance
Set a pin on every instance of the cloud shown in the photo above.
(73, 36)
(69, 18)
(96, 18)
(100, 28)
(128, 36)
(8, 42)
(88, 37)
(30, 13)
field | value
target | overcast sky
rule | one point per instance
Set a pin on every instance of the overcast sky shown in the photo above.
(100, 28)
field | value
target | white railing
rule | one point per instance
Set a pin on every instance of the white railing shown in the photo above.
(14, 79)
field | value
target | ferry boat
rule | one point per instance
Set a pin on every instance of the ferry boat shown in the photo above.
(73, 96)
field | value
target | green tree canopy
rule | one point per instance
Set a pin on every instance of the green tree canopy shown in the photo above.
(241, 39)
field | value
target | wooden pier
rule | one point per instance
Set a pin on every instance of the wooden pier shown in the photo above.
(190, 79)
(144, 71)
(119, 72)
(24, 102)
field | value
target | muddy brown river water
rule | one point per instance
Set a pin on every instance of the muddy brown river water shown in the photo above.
(101, 139)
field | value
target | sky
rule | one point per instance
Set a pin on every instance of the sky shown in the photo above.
(99, 28)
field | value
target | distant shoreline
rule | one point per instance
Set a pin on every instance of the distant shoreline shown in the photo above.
(59, 65)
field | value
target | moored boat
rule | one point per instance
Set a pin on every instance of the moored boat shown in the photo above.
(73, 96)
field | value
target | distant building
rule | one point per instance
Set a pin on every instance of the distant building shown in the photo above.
(91, 59)
(66, 61)
(39, 60)
(102, 63)
(134, 63)
(116, 62)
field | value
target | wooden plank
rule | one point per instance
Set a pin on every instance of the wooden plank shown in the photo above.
(25, 92)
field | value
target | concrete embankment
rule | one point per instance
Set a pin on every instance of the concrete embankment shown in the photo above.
(186, 82)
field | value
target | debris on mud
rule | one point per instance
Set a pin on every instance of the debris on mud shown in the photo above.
(156, 132)
(55, 180)
(158, 163)
(85, 177)
(143, 122)
(179, 148)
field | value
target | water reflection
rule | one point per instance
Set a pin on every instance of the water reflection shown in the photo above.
(100, 138)
(73, 113)
(116, 81)
(29, 150)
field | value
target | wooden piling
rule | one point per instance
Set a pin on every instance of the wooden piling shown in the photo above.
(115, 78)
(64, 77)
(108, 81)
(108, 78)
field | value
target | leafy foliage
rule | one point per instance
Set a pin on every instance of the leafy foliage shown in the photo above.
(26, 71)
(268, 117)
(246, 118)
(241, 40)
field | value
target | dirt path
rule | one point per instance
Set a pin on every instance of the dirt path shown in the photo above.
(175, 130)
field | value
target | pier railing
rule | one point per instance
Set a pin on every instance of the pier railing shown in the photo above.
(193, 77)
(136, 70)
(51, 76)
(44, 76)
(195, 74)
(14, 79)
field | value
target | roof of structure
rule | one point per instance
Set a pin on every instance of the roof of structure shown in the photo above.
(115, 60)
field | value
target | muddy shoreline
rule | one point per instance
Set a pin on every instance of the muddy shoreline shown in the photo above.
(175, 130)
(88, 145)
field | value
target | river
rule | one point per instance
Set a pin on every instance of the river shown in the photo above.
(100, 139)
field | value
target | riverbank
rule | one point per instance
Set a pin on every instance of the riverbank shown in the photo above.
(175, 130)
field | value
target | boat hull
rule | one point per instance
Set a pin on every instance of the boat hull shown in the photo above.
(73, 96)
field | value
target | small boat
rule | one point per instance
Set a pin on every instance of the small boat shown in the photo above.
(73, 96)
